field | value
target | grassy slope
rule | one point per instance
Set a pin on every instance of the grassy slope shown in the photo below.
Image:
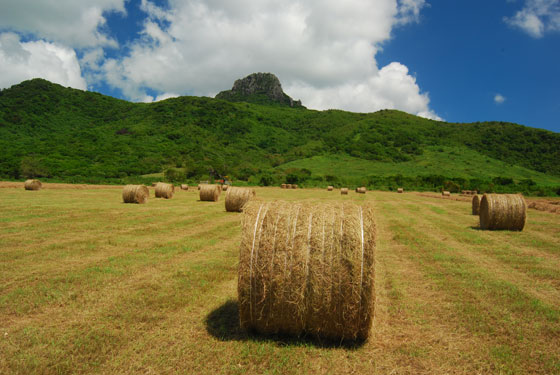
(152, 288)
(436, 160)
(82, 136)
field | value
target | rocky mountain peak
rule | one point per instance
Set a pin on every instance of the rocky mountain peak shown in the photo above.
(260, 88)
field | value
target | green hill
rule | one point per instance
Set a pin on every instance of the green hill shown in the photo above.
(64, 134)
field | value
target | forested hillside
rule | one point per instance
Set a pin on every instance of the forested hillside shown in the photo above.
(58, 133)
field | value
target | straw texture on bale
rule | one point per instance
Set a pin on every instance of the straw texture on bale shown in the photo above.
(184, 187)
(344, 191)
(475, 205)
(209, 193)
(361, 190)
(400, 190)
(283, 186)
(237, 198)
(446, 193)
(503, 211)
(33, 185)
(164, 190)
(307, 268)
(135, 194)
(330, 188)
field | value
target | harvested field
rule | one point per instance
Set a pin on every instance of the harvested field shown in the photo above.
(91, 285)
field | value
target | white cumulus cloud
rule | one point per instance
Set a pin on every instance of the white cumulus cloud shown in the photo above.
(323, 51)
(20, 61)
(537, 17)
(499, 99)
(73, 23)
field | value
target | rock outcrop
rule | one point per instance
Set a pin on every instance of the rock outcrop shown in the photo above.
(260, 88)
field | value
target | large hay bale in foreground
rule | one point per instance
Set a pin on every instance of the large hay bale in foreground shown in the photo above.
(184, 187)
(445, 193)
(400, 190)
(475, 204)
(209, 193)
(307, 268)
(330, 188)
(237, 198)
(164, 190)
(503, 211)
(343, 191)
(33, 185)
(135, 194)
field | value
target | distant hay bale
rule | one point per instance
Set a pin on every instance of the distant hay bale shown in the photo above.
(154, 184)
(237, 198)
(294, 186)
(475, 205)
(164, 190)
(344, 191)
(33, 185)
(225, 187)
(445, 193)
(330, 188)
(361, 190)
(184, 187)
(209, 193)
(288, 186)
(198, 187)
(135, 194)
(307, 269)
(503, 211)
(400, 190)
(283, 186)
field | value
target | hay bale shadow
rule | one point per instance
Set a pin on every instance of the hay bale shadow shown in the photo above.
(223, 324)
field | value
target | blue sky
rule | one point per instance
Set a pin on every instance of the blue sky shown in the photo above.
(461, 60)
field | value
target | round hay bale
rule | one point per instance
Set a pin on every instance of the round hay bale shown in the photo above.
(288, 186)
(475, 204)
(283, 186)
(225, 187)
(135, 194)
(294, 186)
(330, 188)
(184, 187)
(361, 190)
(503, 211)
(237, 198)
(445, 193)
(209, 193)
(154, 184)
(307, 268)
(198, 187)
(400, 190)
(344, 191)
(33, 185)
(164, 190)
